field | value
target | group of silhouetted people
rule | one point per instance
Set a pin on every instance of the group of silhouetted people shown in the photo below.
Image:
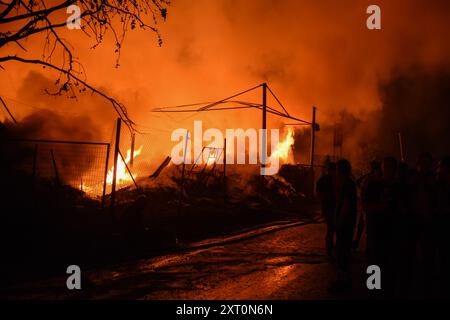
(405, 213)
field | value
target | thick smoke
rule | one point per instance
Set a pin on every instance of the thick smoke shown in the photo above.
(416, 102)
(310, 53)
(46, 117)
(48, 124)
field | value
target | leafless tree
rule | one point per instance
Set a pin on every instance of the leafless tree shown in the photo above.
(22, 21)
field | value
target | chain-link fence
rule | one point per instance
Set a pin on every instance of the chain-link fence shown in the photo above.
(79, 165)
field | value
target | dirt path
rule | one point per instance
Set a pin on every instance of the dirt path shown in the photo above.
(287, 264)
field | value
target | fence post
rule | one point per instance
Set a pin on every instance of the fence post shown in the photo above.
(313, 142)
(264, 126)
(116, 157)
(184, 164)
(224, 159)
(105, 177)
(55, 168)
(225, 170)
(263, 151)
(132, 150)
(183, 168)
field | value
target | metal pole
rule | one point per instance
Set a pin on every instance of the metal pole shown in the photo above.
(402, 149)
(224, 159)
(264, 125)
(184, 165)
(55, 168)
(313, 136)
(116, 157)
(181, 186)
(225, 170)
(313, 141)
(105, 176)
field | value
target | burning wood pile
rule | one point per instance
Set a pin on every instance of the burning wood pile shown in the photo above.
(206, 187)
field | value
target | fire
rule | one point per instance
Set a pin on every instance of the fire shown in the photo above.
(212, 157)
(123, 177)
(85, 188)
(283, 150)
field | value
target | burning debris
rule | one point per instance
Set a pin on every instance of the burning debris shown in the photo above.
(161, 167)
(284, 148)
(178, 202)
(122, 175)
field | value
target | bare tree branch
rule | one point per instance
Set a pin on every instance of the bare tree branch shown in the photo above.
(8, 8)
(119, 107)
(45, 12)
(25, 19)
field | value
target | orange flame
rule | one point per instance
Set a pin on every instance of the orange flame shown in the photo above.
(283, 150)
(212, 157)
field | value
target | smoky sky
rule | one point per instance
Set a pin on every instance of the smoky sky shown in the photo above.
(310, 52)
(416, 103)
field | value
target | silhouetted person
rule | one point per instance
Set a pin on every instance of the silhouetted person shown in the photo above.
(443, 220)
(363, 182)
(424, 201)
(380, 199)
(388, 235)
(346, 210)
(405, 230)
(325, 189)
(371, 195)
(403, 172)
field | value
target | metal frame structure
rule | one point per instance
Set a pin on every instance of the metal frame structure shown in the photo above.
(216, 106)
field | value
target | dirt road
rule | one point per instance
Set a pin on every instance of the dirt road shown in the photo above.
(287, 264)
